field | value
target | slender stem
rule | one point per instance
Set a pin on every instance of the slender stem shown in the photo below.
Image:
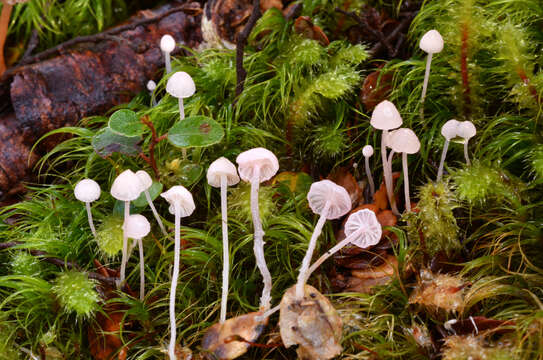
(426, 77)
(124, 259)
(268, 313)
(175, 275)
(442, 162)
(390, 156)
(225, 248)
(153, 99)
(370, 178)
(181, 109)
(302, 276)
(167, 62)
(89, 216)
(265, 299)
(388, 173)
(406, 182)
(155, 213)
(4, 25)
(466, 153)
(142, 270)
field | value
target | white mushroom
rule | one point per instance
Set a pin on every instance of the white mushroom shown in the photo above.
(405, 141)
(466, 130)
(255, 166)
(137, 227)
(151, 86)
(167, 45)
(330, 201)
(146, 183)
(180, 85)
(367, 151)
(181, 205)
(449, 130)
(222, 173)
(361, 229)
(386, 117)
(126, 187)
(431, 43)
(87, 191)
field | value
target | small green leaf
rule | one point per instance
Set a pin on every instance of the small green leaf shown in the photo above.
(154, 191)
(195, 131)
(106, 142)
(125, 122)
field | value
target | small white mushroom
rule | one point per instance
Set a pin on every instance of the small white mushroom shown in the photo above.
(146, 183)
(255, 166)
(367, 151)
(330, 201)
(361, 229)
(405, 141)
(180, 85)
(126, 187)
(466, 130)
(386, 117)
(431, 43)
(167, 45)
(222, 173)
(137, 227)
(87, 191)
(181, 205)
(449, 130)
(151, 86)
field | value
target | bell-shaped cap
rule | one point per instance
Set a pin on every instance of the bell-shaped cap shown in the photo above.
(449, 130)
(366, 228)
(180, 199)
(466, 130)
(258, 158)
(145, 179)
(431, 42)
(367, 151)
(87, 190)
(180, 85)
(126, 187)
(337, 197)
(167, 43)
(385, 116)
(404, 140)
(218, 168)
(136, 226)
(151, 85)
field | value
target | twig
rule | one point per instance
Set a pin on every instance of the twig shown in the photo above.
(395, 33)
(241, 73)
(155, 139)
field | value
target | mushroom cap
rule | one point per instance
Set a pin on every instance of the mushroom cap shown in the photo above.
(87, 190)
(385, 116)
(151, 85)
(181, 199)
(145, 179)
(219, 167)
(449, 130)
(404, 140)
(367, 151)
(431, 42)
(364, 219)
(325, 190)
(126, 187)
(167, 43)
(260, 158)
(180, 85)
(136, 226)
(466, 130)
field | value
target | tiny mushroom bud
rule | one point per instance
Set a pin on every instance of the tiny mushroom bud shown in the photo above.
(167, 45)
(330, 201)
(87, 191)
(151, 86)
(146, 183)
(255, 166)
(466, 130)
(181, 205)
(449, 130)
(405, 141)
(137, 227)
(367, 151)
(180, 85)
(223, 173)
(386, 117)
(431, 43)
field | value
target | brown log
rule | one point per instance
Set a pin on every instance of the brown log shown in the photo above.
(86, 77)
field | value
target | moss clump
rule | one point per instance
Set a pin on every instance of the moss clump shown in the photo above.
(472, 347)
(25, 264)
(76, 293)
(240, 202)
(110, 236)
(537, 161)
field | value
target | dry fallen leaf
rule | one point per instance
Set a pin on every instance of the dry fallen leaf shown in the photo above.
(304, 26)
(343, 177)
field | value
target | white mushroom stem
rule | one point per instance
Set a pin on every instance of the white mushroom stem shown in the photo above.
(426, 77)
(124, 258)
(268, 313)
(142, 270)
(442, 162)
(89, 216)
(368, 174)
(387, 170)
(181, 109)
(155, 213)
(265, 299)
(225, 248)
(303, 275)
(167, 62)
(406, 182)
(466, 153)
(175, 275)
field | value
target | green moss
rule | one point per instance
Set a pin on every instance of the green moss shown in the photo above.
(23, 263)
(109, 236)
(76, 293)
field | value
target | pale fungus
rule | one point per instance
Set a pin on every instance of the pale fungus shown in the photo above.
(137, 227)
(367, 151)
(431, 43)
(87, 191)
(146, 183)
(167, 45)
(449, 130)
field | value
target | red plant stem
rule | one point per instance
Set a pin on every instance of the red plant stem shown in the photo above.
(526, 80)
(155, 139)
(464, 68)
(4, 24)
